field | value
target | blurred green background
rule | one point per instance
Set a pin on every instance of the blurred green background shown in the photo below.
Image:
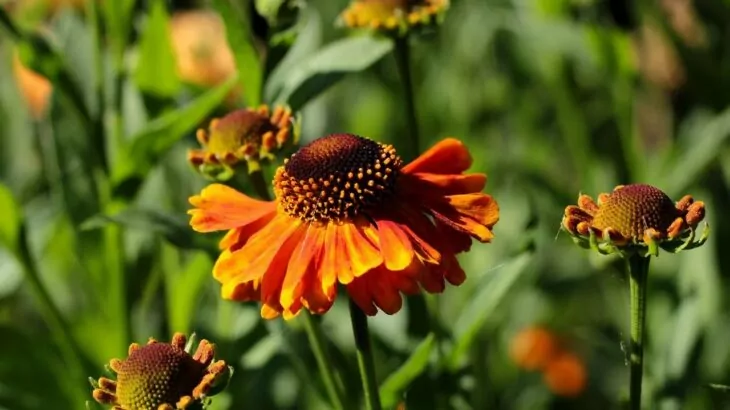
(553, 98)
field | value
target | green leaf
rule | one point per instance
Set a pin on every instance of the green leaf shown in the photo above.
(493, 288)
(693, 158)
(392, 389)
(174, 228)
(11, 221)
(307, 42)
(248, 62)
(163, 132)
(269, 9)
(117, 17)
(317, 73)
(183, 287)
(156, 72)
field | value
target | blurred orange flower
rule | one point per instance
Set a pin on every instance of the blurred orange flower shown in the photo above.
(199, 41)
(533, 348)
(347, 210)
(393, 15)
(565, 375)
(34, 88)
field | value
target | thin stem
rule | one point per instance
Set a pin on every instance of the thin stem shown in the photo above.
(326, 369)
(403, 61)
(60, 328)
(638, 267)
(259, 184)
(365, 357)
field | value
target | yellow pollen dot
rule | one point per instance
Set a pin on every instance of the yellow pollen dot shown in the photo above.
(326, 174)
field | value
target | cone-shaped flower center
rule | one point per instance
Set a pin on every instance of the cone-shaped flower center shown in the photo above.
(632, 209)
(237, 129)
(156, 374)
(336, 177)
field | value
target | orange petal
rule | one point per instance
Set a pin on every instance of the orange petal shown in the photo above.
(448, 156)
(243, 292)
(363, 255)
(317, 299)
(328, 269)
(450, 184)
(219, 207)
(341, 256)
(253, 259)
(471, 213)
(432, 279)
(303, 257)
(421, 231)
(481, 207)
(452, 271)
(269, 312)
(359, 293)
(395, 246)
(273, 279)
(236, 238)
(384, 293)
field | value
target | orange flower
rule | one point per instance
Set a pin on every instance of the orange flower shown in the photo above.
(163, 376)
(203, 55)
(566, 375)
(533, 348)
(393, 15)
(243, 135)
(35, 89)
(635, 217)
(348, 211)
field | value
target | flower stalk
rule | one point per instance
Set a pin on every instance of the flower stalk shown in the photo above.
(403, 61)
(326, 369)
(365, 360)
(638, 269)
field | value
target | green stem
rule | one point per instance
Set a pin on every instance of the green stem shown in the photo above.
(60, 328)
(403, 61)
(365, 357)
(638, 267)
(323, 362)
(259, 184)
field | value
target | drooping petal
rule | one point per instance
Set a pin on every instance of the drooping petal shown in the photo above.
(303, 258)
(450, 184)
(273, 279)
(448, 156)
(253, 259)
(395, 246)
(363, 255)
(219, 207)
(384, 292)
(243, 292)
(360, 294)
(236, 238)
(328, 268)
(474, 214)
(343, 268)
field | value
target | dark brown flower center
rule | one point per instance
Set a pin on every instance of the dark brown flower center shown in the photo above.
(156, 374)
(632, 209)
(336, 177)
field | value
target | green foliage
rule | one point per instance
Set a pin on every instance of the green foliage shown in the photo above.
(552, 100)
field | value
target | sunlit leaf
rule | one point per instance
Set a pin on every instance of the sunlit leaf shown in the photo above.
(174, 228)
(10, 222)
(156, 72)
(163, 132)
(307, 42)
(492, 290)
(393, 387)
(316, 73)
(248, 62)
